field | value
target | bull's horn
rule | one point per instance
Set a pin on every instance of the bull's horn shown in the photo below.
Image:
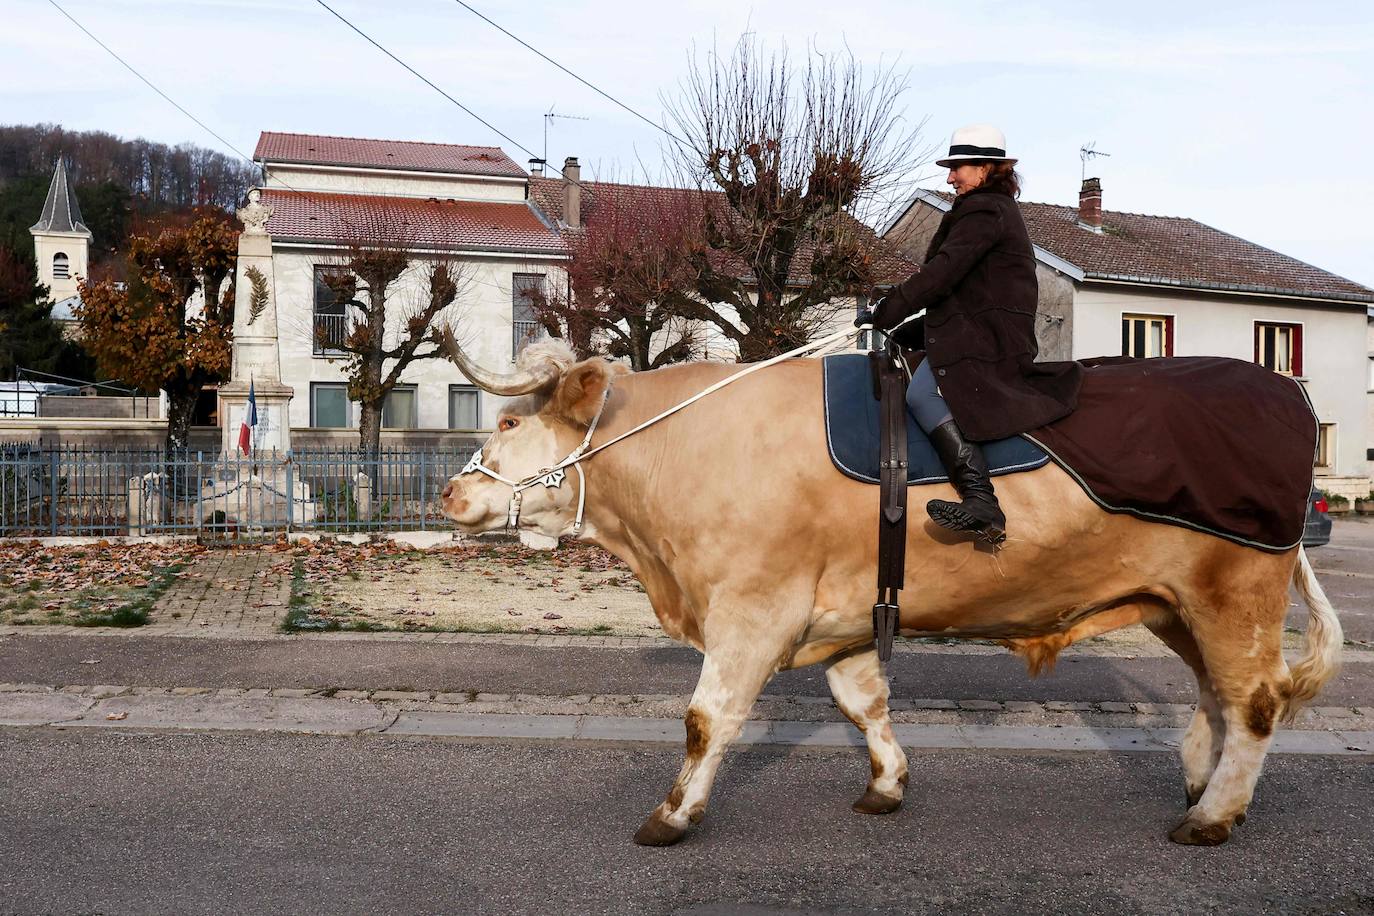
(541, 375)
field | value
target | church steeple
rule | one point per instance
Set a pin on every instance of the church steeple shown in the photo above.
(61, 213)
(61, 241)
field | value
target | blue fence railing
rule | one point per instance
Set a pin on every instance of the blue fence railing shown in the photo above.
(78, 491)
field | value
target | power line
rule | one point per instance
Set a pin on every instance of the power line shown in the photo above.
(305, 195)
(605, 95)
(426, 80)
(149, 83)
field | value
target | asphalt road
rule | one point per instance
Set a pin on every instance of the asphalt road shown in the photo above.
(198, 823)
(456, 667)
(1346, 570)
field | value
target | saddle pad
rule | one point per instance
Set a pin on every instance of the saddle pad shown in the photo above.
(851, 430)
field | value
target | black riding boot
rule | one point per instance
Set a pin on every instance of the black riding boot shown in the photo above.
(978, 513)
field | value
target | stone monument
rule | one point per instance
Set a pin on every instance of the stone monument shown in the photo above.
(256, 490)
(256, 358)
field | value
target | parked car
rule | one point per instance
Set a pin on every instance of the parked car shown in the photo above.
(1317, 530)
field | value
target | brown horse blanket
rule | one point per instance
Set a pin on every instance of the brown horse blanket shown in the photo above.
(1220, 445)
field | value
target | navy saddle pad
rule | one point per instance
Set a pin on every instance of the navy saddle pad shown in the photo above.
(851, 430)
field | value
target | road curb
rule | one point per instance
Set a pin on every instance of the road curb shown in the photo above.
(311, 712)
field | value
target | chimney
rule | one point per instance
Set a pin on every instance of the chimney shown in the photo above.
(572, 192)
(536, 168)
(1090, 204)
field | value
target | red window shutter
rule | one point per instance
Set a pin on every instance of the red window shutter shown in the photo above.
(1258, 333)
(1169, 336)
(1297, 350)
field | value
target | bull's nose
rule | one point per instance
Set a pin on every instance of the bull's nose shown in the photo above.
(448, 491)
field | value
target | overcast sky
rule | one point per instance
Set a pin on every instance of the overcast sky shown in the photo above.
(1254, 117)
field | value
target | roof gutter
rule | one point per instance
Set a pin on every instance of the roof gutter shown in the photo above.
(1225, 289)
(303, 243)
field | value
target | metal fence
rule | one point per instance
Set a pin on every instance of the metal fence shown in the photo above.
(76, 491)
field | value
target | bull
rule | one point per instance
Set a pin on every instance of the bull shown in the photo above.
(756, 551)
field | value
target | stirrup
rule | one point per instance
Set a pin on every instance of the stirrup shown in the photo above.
(954, 517)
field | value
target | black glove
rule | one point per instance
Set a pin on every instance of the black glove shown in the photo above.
(864, 317)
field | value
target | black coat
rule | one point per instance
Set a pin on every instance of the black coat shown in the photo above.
(979, 290)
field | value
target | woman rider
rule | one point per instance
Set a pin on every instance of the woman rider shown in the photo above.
(979, 380)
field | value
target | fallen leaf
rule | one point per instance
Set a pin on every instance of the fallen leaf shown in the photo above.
(90, 661)
(116, 716)
(552, 616)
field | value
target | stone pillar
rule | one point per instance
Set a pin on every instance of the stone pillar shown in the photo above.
(257, 360)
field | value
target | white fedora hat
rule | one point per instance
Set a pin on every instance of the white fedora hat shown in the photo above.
(977, 142)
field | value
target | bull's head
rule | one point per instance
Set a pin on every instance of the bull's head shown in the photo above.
(559, 398)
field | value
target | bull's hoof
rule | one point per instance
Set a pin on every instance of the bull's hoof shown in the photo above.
(875, 802)
(1240, 819)
(658, 832)
(1191, 833)
(1193, 795)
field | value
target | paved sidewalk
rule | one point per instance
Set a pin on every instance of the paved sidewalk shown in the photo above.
(225, 590)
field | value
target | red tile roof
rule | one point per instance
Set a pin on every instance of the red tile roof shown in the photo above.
(547, 195)
(413, 221)
(1173, 251)
(385, 154)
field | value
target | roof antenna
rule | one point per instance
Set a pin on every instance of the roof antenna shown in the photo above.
(549, 116)
(1085, 152)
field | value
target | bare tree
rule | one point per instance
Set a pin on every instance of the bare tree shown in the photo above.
(784, 156)
(394, 301)
(631, 275)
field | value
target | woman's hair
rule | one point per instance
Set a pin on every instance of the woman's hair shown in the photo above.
(1002, 177)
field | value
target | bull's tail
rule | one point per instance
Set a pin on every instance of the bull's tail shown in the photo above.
(1322, 647)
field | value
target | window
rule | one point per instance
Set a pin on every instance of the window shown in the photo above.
(61, 267)
(1147, 335)
(1326, 446)
(399, 408)
(1371, 373)
(526, 290)
(1279, 347)
(329, 406)
(464, 407)
(334, 289)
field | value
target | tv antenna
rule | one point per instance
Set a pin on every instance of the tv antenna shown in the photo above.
(1089, 151)
(549, 116)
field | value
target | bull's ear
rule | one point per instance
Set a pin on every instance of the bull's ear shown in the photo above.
(583, 388)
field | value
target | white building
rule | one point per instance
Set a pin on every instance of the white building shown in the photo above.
(464, 204)
(1126, 284)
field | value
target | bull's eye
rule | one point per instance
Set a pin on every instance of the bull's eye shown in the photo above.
(507, 423)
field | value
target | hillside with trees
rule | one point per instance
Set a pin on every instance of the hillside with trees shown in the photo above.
(124, 188)
(118, 183)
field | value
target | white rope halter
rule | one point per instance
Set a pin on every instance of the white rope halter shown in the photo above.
(552, 477)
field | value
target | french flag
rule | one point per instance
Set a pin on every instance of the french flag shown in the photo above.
(250, 422)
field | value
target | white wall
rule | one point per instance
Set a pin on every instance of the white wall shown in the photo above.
(481, 316)
(395, 184)
(75, 246)
(1334, 346)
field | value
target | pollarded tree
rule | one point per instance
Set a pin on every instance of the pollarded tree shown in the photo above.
(631, 275)
(170, 326)
(394, 303)
(784, 159)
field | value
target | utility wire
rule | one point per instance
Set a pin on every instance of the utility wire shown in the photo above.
(305, 195)
(149, 83)
(426, 80)
(605, 95)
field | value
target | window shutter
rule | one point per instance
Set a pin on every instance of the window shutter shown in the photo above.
(1297, 351)
(1169, 336)
(1259, 332)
